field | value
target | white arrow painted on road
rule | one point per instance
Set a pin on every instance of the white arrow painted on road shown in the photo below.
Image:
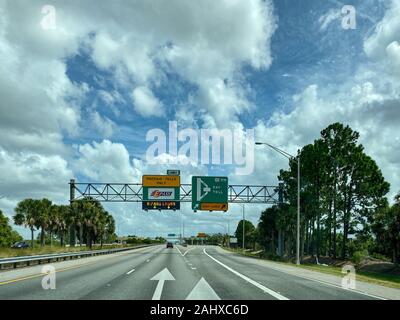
(202, 291)
(161, 277)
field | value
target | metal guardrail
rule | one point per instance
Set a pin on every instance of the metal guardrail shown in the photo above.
(27, 260)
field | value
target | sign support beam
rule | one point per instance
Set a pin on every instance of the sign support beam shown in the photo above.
(133, 192)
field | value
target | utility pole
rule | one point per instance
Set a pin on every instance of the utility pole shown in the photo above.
(119, 234)
(280, 245)
(181, 229)
(229, 236)
(72, 237)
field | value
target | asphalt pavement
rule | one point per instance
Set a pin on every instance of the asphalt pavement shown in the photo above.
(179, 273)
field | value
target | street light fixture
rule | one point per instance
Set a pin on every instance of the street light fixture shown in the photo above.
(297, 159)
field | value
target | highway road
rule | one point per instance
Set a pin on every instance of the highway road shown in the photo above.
(157, 272)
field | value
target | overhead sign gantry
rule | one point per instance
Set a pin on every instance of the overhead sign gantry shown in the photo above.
(139, 192)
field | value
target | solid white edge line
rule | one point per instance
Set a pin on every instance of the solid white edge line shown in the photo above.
(328, 284)
(339, 287)
(129, 272)
(254, 283)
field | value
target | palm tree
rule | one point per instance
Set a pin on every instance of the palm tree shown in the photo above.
(44, 218)
(76, 218)
(63, 214)
(53, 220)
(27, 214)
(88, 219)
(105, 226)
(110, 225)
(92, 220)
(89, 216)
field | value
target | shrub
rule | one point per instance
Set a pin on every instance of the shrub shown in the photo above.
(359, 256)
(272, 256)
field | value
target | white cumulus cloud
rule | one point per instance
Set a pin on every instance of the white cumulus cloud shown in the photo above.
(145, 103)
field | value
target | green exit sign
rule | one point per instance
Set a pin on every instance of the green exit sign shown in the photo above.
(210, 193)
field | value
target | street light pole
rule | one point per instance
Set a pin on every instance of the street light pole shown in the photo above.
(243, 226)
(297, 159)
(229, 237)
(119, 236)
(298, 213)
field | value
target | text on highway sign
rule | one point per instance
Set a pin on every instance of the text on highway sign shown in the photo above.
(161, 205)
(161, 181)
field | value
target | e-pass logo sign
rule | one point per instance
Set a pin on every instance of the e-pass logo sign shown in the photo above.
(161, 194)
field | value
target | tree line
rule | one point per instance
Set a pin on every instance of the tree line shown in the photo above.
(85, 220)
(344, 208)
(8, 236)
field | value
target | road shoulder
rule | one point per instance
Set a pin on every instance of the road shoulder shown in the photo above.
(361, 287)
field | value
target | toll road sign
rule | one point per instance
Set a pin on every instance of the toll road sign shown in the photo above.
(210, 193)
(161, 181)
(201, 235)
(161, 192)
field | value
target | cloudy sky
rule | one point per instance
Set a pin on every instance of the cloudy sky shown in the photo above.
(82, 82)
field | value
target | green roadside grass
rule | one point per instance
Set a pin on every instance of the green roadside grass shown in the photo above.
(383, 279)
(9, 252)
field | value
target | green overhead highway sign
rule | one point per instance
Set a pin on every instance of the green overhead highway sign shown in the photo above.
(210, 193)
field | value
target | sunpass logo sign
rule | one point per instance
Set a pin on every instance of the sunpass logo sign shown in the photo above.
(161, 194)
(158, 193)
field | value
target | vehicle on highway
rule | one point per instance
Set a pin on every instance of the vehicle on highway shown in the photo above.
(20, 245)
(170, 245)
